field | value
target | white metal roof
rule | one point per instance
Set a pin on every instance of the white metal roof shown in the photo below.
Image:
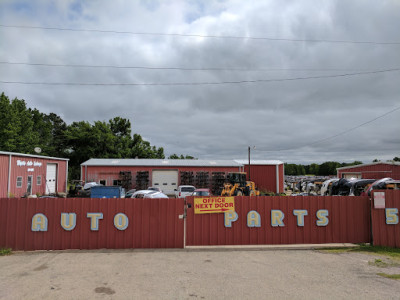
(371, 164)
(160, 162)
(31, 155)
(259, 162)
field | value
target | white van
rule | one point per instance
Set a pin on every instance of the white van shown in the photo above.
(184, 190)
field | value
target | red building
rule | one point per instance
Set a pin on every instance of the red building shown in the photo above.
(376, 170)
(25, 174)
(267, 174)
(168, 174)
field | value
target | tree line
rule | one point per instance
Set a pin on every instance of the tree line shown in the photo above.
(324, 169)
(23, 129)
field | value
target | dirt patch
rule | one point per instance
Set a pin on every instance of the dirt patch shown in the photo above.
(41, 267)
(104, 290)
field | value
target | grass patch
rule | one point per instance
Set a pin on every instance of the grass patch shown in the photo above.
(337, 250)
(382, 264)
(5, 251)
(386, 251)
(390, 276)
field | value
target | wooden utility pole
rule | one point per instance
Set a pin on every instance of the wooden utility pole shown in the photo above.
(249, 164)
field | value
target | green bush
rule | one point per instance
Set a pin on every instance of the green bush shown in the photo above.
(5, 251)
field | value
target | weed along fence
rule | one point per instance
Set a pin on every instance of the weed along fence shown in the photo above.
(280, 220)
(86, 223)
(385, 218)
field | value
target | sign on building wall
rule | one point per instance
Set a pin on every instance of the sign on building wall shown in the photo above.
(208, 205)
(29, 164)
(379, 200)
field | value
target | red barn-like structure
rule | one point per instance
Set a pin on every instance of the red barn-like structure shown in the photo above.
(25, 174)
(170, 173)
(376, 170)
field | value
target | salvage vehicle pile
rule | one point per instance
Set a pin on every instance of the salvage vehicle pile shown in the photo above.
(331, 186)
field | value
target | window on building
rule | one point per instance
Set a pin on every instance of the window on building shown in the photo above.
(39, 180)
(117, 182)
(19, 181)
(103, 182)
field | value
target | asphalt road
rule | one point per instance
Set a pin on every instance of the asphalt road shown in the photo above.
(183, 274)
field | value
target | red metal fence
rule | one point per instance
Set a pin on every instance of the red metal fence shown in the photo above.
(348, 221)
(121, 223)
(53, 223)
(385, 220)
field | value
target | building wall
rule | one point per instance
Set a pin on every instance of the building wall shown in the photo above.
(97, 173)
(281, 178)
(265, 177)
(24, 166)
(375, 171)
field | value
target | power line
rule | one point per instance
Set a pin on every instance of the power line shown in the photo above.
(176, 68)
(333, 136)
(200, 83)
(179, 68)
(232, 37)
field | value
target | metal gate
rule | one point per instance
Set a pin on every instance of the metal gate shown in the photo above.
(303, 220)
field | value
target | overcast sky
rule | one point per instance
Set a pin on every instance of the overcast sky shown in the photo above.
(261, 41)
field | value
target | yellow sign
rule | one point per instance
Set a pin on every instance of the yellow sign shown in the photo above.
(208, 205)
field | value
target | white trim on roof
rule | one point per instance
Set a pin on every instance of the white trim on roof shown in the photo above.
(259, 162)
(32, 155)
(371, 164)
(160, 162)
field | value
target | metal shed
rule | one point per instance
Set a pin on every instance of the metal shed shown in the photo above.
(267, 174)
(375, 170)
(170, 173)
(26, 174)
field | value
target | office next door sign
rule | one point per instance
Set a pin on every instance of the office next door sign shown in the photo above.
(208, 205)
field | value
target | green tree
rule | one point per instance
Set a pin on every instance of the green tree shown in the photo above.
(175, 156)
(300, 170)
(328, 168)
(16, 126)
(22, 129)
(105, 140)
(290, 169)
(142, 149)
(314, 169)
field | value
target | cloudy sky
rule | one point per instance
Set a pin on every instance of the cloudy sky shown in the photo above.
(302, 81)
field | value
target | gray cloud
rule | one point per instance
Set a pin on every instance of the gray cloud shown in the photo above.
(217, 121)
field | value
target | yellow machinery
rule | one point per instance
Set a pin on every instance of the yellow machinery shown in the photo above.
(237, 185)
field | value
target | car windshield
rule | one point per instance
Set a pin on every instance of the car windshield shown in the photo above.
(187, 189)
(201, 193)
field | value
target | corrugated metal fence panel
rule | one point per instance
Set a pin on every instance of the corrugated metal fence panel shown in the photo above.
(153, 223)
(264, 176)
(4, 165)
(349, 222)
(386, 234)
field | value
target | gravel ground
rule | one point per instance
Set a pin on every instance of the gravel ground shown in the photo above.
(194, 274)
